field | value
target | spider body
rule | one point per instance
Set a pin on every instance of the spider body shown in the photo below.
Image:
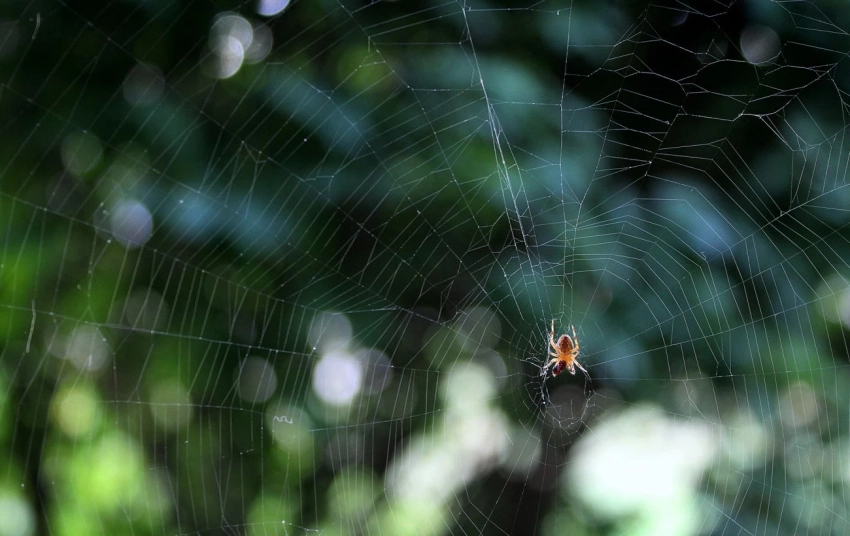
(565, 355)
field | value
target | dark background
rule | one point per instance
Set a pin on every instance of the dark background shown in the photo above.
(448, 177)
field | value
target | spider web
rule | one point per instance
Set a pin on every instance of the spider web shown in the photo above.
(284, 268)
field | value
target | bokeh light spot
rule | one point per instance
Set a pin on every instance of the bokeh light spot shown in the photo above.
(131, 223)
(759, 44)
(270, 8)
(257, 380)
(338, 377)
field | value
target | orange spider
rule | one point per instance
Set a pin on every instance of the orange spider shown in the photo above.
(565, 355)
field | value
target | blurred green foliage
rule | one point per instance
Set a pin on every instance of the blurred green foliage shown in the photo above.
(450, 176)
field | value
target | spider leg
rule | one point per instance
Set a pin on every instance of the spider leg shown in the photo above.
(552, 337)
(545, 367)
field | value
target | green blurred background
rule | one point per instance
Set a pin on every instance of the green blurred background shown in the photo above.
(287, 268)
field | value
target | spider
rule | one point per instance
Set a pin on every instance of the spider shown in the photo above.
(565, 355)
